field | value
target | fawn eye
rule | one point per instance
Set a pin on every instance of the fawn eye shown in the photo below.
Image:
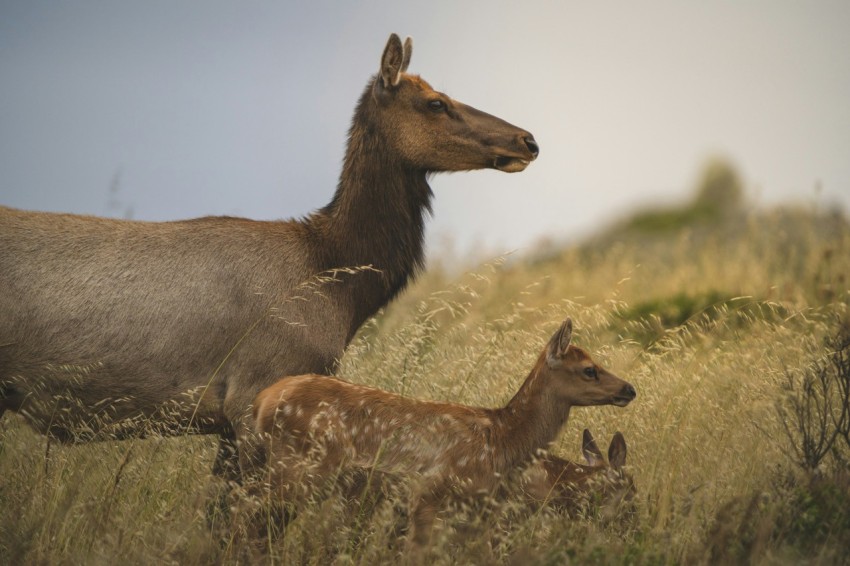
(437, 105)
(590, 372)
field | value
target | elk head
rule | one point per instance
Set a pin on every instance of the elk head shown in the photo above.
(433, 132)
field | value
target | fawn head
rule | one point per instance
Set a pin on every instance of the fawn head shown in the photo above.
(577, 379)
(613, 487)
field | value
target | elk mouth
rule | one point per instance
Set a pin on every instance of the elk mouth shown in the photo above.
(510, 164)
(621, 400)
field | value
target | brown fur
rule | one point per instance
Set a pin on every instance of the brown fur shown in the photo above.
(108, 327)
(571, 487)
(595, 486)
(317, 425)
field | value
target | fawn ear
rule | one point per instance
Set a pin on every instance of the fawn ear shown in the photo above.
(393, 62)
(560, 342)
(617, 451)
(591, 451)
(566, 336)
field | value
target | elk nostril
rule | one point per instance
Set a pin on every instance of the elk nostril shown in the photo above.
(532, 146)
(630, 391)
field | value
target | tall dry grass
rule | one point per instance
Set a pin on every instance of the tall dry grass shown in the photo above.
(707, 322)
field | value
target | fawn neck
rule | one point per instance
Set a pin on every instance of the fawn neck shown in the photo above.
(532, 418)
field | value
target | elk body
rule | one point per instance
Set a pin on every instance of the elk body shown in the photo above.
(108, 327)
(317, 425)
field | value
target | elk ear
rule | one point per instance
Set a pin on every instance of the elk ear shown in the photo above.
(591, 451)
(617, 451)
(392, 62)
(560, 342)
(408, 51)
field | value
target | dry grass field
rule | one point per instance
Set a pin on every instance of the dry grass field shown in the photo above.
(731, 324)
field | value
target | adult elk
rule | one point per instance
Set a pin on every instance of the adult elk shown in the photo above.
(316, 425)
(114, 328)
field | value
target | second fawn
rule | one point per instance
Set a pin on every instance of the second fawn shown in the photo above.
(317, 425)
(576, 488)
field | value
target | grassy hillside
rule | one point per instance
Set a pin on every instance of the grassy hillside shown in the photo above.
(729, 325)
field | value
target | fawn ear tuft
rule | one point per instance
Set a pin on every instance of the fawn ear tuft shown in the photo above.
(559, 343)
(566, 336)
(617, 451)
(591, 451)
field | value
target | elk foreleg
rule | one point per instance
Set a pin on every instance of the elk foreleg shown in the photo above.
(226, 465)
(237, 463)
(226, 476)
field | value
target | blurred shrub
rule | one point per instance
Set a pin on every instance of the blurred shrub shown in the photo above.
(803, 517)
(806, 512)
(719, 188)
(718, 194)
(815, 412)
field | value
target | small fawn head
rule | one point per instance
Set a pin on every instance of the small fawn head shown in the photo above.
(578, 380)
(432, 132)
(616, 452)
(614, 488)
(593, 485)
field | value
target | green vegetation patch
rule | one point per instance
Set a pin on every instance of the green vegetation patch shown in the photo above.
(679, 308)
(652, 319)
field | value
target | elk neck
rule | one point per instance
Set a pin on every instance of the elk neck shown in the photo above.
(377, 215)
(531, 420)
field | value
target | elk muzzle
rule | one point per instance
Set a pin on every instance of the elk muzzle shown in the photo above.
(625, 396)
(528, 150)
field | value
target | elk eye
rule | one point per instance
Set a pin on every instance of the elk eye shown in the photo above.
(590, 372)
(436, 105)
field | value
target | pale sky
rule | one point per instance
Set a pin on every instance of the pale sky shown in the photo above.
(241, 108)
